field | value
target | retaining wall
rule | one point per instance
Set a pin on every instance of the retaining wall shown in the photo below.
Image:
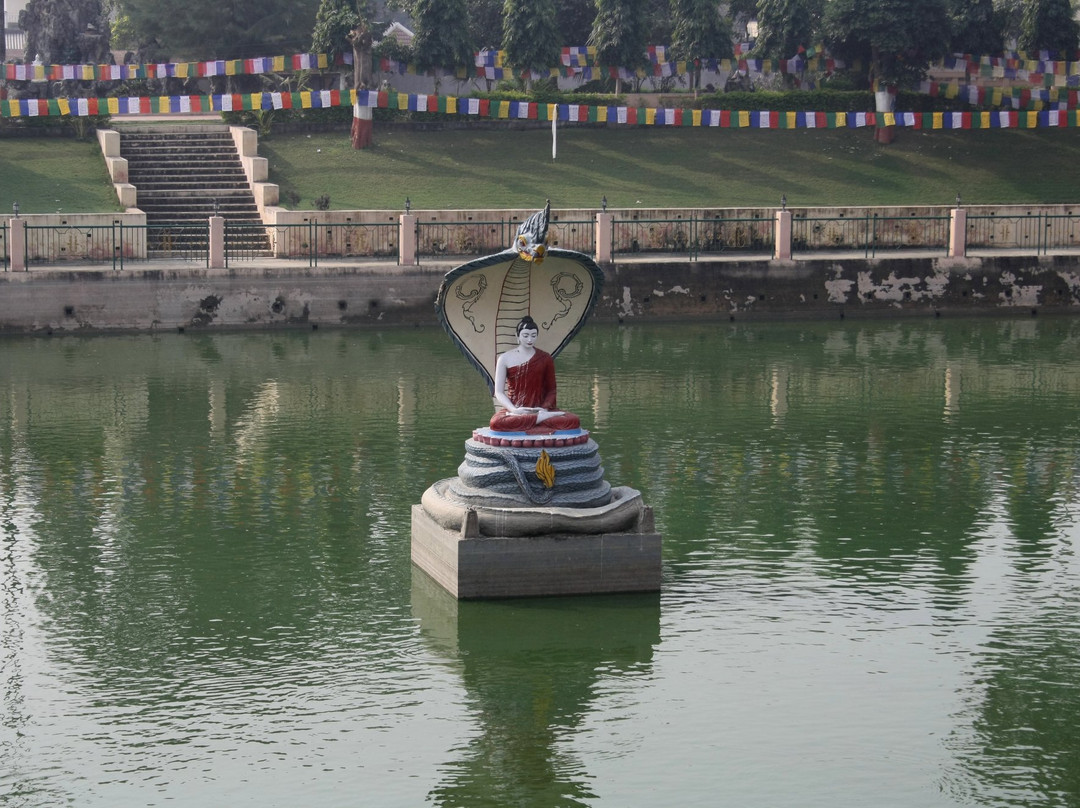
(259, 297)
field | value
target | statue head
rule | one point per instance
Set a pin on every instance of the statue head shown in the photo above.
(531, 240)
(527, 324)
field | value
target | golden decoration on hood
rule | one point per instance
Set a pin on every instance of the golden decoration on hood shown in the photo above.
(544, 470)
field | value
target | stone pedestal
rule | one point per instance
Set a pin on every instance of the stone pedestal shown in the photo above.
(482, 552)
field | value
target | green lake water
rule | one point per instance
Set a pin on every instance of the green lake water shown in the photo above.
(871, 590)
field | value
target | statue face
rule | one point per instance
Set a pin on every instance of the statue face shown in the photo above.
(527, 337)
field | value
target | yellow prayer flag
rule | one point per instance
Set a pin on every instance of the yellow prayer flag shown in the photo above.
(792, 119)
(744, 118)
(279, 63)
(650, 116)
(696, 114)
(890, 119)
(323, 62)
(451, 104)
(65, 106)
(1032, 119)
(601, 114)
(984, 120)
(939, 120)
(305, 100)
(504, 109)
(114, 106)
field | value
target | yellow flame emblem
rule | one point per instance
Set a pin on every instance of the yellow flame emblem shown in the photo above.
(544, 470)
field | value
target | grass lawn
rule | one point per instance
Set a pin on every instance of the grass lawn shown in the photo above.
(48, 174)
(658, 167)
(646, 167)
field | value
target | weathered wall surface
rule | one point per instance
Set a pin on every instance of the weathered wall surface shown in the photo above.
(843, 287)
(51, 301)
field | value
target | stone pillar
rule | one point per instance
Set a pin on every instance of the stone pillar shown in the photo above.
(17, 244)
(782, 236)
(407, 240)
(957, 233)
(604, 229)
(217, 242)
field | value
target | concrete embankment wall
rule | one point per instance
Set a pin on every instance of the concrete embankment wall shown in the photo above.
(87, 301)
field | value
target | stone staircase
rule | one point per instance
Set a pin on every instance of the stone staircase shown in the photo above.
(185, 174)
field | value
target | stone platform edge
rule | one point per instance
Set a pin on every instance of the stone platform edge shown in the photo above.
(471, 566)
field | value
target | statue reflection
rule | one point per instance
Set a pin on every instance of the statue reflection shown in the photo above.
(530, 669)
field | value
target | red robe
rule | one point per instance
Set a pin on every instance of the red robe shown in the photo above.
(532, 384)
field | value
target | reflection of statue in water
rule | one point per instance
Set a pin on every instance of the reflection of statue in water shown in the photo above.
(531, 672)
(525, 388)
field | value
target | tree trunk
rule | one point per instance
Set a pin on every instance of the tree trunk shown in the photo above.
(884, 101)
(363, 134)
(362, 127)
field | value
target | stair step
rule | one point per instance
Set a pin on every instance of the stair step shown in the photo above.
(182, 178)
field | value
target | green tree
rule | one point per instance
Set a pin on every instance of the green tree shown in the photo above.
(442, 35)
(485, 23)
(894, 39)
(619, 34)
(333, 21)
(700, 32)
(1049, 25)
(786, 25)
(1009, 14)
(659, 26)
(209, 29)
(530, 35)
(977, 28)
(575, 19)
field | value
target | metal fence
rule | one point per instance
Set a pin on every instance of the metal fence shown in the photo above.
(1038, 233)
(168, 242)
(693, 236)
(116, 244)
(571, 234)
(440, 239)
(87, 244)
(869, 234)
(461, 239)
(313, 240)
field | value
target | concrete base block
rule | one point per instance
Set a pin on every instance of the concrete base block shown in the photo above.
(472, 566)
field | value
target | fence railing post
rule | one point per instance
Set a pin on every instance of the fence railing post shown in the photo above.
(602, 237)
(217, 242)
(782, 238)
(17, 244)
(407, 240)
(957, 233)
